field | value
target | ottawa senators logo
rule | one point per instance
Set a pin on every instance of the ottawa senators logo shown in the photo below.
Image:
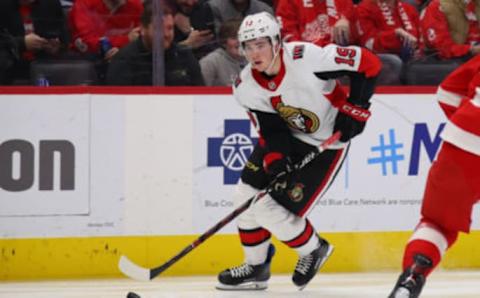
(296, 193)
(296, 118)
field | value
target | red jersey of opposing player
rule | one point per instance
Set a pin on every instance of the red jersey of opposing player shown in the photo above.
(453, 184)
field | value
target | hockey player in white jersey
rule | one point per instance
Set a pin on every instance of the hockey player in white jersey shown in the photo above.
(291, 95)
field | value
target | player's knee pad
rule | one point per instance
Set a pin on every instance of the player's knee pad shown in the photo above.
(267, 211)
(242, 193)
(277, 219)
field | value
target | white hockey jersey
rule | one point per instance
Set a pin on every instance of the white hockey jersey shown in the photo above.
(305, 93)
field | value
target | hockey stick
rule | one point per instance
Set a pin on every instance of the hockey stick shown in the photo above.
(136, 272)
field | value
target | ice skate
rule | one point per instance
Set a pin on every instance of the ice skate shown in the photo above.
(411, 281)
(308, 266)
(246, 276)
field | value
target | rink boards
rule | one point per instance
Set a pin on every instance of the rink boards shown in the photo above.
(89, 174)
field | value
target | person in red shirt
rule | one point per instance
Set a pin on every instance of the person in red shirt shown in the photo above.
(390, 29)
(451, 28)
(453, 184)
(320, 22)
(389, 26)
(114, 22)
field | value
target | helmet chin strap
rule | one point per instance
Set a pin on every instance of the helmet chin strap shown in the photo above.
(275, 54)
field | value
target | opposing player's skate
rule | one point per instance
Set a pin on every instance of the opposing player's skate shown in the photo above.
(308, 266)
(411, 281)
(246, 276)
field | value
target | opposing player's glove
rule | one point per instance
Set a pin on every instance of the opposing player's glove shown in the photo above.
(350, 121)
(280, 168)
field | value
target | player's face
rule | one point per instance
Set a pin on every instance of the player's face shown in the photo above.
(259, 53)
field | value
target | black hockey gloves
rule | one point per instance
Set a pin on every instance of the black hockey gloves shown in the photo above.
(351, 120)
(280, 168)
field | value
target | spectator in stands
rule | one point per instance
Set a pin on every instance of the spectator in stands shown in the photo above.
(67, 4)
(390, 28)
(30, 29)
(271, 3)
(194, 26)
(133, 64)
(451, 28)
(320, 22)
(102, 27)
(8, 55)
(222, 66)
(224, 10)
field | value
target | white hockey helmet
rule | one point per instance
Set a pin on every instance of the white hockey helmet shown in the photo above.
(258, 25)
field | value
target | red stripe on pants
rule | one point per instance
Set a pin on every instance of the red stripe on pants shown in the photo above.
(302, 238)
(253, 237)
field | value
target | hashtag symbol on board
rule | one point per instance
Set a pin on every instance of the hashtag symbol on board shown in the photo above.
(388, 153)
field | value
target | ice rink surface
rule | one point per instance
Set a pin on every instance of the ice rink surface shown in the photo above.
(443, 284)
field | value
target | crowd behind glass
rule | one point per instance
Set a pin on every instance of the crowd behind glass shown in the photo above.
(119, 42)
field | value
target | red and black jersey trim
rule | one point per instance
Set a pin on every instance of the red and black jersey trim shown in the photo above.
(237, 81)
(327, 180)
(338, 96)
(271, 84)
(254, 237)
(303, 238)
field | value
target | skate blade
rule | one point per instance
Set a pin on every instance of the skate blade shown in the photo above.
(327, 255)
(401, 293)
(329, 252)
(302, 287)
(248, 286)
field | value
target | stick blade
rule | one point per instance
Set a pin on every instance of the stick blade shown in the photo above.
(132, 270)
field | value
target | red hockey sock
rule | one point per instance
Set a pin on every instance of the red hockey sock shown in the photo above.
(423, 247)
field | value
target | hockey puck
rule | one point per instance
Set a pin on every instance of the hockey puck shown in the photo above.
(133, 295)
